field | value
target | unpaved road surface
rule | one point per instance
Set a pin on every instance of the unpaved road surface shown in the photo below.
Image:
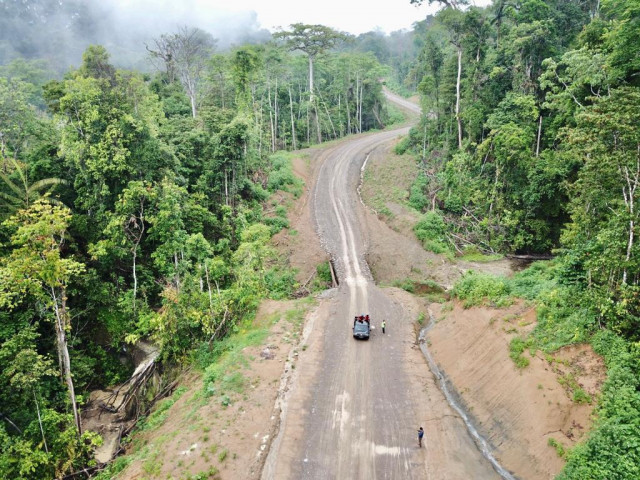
(354, 413)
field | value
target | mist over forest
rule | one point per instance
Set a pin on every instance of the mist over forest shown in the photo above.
(59, 31)
(147, 157)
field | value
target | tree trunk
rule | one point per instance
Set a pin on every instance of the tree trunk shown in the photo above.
(311, 79)
(44, 440)
(632, 182)
(312, 100)
(458, 96)
(61, 324)
(271, 121)
(275, 114)
(135, 277)
(293, 123)
(539, 135)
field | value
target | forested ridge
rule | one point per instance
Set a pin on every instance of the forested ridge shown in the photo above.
(139, 204)
(531, 146)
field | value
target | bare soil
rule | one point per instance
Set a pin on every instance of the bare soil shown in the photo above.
(518, 410)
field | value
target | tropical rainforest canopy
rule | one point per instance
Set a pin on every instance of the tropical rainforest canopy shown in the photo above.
(135, 203)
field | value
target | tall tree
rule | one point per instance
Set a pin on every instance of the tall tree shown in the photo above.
(312, 40)
(36, 269)
(454, 21)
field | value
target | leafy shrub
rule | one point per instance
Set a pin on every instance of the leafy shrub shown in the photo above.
(552, 442)
(580, 396)
(281, 282)
(323, 278)
(417, 197)
(538, 278)
(406, 284)
(276, 223)
(281, 176)
(431, 231)
(402, 146)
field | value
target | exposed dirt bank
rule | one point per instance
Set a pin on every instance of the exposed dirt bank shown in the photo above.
(518, 410)
(224, 433)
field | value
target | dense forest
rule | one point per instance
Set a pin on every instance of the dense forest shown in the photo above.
(135, 205)
(135, 202)
(530, 145)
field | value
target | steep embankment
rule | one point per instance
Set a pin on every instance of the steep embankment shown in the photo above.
(522, 412)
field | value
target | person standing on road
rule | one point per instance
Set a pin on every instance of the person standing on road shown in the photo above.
(420, 435)
(383, 325)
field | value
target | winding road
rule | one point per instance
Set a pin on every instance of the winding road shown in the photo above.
(356, 405)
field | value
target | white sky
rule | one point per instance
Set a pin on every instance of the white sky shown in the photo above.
(227, 16)
(352, 16)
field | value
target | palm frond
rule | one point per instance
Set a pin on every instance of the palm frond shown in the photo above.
(10, 198)
(11, 185)
(48, 183)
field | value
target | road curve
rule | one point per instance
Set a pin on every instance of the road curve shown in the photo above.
(353, 415)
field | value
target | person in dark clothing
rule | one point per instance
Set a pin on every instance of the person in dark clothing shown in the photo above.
(383, 325)
(420, 435)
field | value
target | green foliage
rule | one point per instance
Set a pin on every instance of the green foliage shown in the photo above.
(431, 231)
(406, 284)
(281, 176)
(482, 289)
(417, 197)
(25, 457)
(560, 450)
(472, 253)
(281, 282)
(517, 346)
(611, 451)
(323, 276)
(114, 468)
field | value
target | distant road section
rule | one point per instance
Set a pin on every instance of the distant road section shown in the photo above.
(401, 102)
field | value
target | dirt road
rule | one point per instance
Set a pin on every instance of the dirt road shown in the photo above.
(353, 413)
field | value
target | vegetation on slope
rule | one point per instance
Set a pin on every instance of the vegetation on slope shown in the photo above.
(530, 145)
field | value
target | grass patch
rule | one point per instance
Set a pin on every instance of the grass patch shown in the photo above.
(472, 254)
(222, 456)
(159, 414)
(517, 346)
(560, 450)
(114, 468)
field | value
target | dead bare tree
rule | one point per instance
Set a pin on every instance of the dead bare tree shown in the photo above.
(185, 55)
